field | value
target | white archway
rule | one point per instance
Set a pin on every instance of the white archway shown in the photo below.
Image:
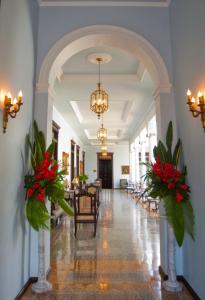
(112, 36)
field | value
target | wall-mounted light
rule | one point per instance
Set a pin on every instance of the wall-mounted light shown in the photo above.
(10, 107)
(197, 106)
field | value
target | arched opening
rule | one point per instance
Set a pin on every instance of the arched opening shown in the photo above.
(104, 36)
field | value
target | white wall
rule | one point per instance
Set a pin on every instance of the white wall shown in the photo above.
(66, 134)
(17, 67)
(120, 158)
(188, 26)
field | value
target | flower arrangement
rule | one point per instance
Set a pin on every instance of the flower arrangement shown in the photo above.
(46, 181)
(165, 181)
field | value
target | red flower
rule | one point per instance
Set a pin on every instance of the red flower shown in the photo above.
(30, 192)
(41, 197)
(179, 197)
(184, 187)
(170, 185)
(36, 185)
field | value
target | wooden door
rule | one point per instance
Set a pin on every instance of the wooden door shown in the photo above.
(105, 170)
(72, 161)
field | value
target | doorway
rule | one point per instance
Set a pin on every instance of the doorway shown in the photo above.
(105, 170)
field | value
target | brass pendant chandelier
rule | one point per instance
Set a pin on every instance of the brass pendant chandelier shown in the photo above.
(104, 150)
(102, 133)
(99, 98)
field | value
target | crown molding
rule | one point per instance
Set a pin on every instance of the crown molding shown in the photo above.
(138, 3)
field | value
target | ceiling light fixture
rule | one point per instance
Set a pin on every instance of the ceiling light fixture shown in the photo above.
(99, 98)
(102, 133)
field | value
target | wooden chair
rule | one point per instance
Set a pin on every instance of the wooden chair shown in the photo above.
(85, 210)
(94, 189)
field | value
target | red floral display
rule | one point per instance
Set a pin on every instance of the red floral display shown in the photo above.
(46, 171)
(165, 182)
(43, 182)
(171, 177)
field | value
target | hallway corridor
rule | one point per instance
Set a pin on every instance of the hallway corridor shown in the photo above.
(120, 263)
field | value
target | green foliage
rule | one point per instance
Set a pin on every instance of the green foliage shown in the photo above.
(36, 211)
(83, 178)
(37, 214)
(180, 214)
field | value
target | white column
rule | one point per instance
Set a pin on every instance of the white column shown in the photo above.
(165, 112)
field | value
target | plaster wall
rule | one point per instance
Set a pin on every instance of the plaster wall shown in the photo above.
(17, 70)
(187, 28)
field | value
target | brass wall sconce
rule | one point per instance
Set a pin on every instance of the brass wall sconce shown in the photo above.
(197, 106)
(10, 107)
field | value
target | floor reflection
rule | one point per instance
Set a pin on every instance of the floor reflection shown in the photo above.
(121, 262)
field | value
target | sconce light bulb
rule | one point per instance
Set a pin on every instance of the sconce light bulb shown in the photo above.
(15, 101)
(9, 95)
(188, 92)
(199, 94)
(193, 100)
(20, 94)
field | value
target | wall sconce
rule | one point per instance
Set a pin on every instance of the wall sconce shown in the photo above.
(197, 106)
(10, 107)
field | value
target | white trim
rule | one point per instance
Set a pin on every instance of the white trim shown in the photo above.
(147, 116)
(163, 89)
(106, 3)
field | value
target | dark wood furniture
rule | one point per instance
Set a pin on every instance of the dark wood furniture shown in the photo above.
(85, 210)
(94, 189)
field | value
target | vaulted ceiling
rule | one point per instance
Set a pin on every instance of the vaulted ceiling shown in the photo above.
(125, 80)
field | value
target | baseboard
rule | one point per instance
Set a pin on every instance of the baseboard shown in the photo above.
(183, 280)
(26, 285)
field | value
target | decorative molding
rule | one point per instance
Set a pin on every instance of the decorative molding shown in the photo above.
(89, 78)
(162, 89)
(76, 110)
(41, 88)
(91, 36)
(141, 72)
(127, 110)
(141, 3)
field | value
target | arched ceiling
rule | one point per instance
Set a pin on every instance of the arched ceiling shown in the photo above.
(124, 78)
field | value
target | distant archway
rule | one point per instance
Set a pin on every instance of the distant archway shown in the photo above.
(112, 36)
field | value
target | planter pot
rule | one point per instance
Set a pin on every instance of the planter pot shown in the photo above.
(42, 285)
(171, 285)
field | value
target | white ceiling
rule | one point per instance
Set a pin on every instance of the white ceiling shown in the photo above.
(125, 80)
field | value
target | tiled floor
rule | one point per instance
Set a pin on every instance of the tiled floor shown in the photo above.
(120, 263)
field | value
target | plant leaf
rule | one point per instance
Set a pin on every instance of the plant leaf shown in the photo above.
(177, 153)
(66, 207)
(162, 152)
(169, 136)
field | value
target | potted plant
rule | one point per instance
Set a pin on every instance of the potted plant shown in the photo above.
(166, 182)
(83, 178)
(44, 182)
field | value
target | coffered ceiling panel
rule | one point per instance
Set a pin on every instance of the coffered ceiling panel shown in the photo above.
(125, 80)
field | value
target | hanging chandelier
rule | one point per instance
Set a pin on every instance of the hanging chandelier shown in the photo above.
(99, 98)
(102, 133)
(104, 148)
